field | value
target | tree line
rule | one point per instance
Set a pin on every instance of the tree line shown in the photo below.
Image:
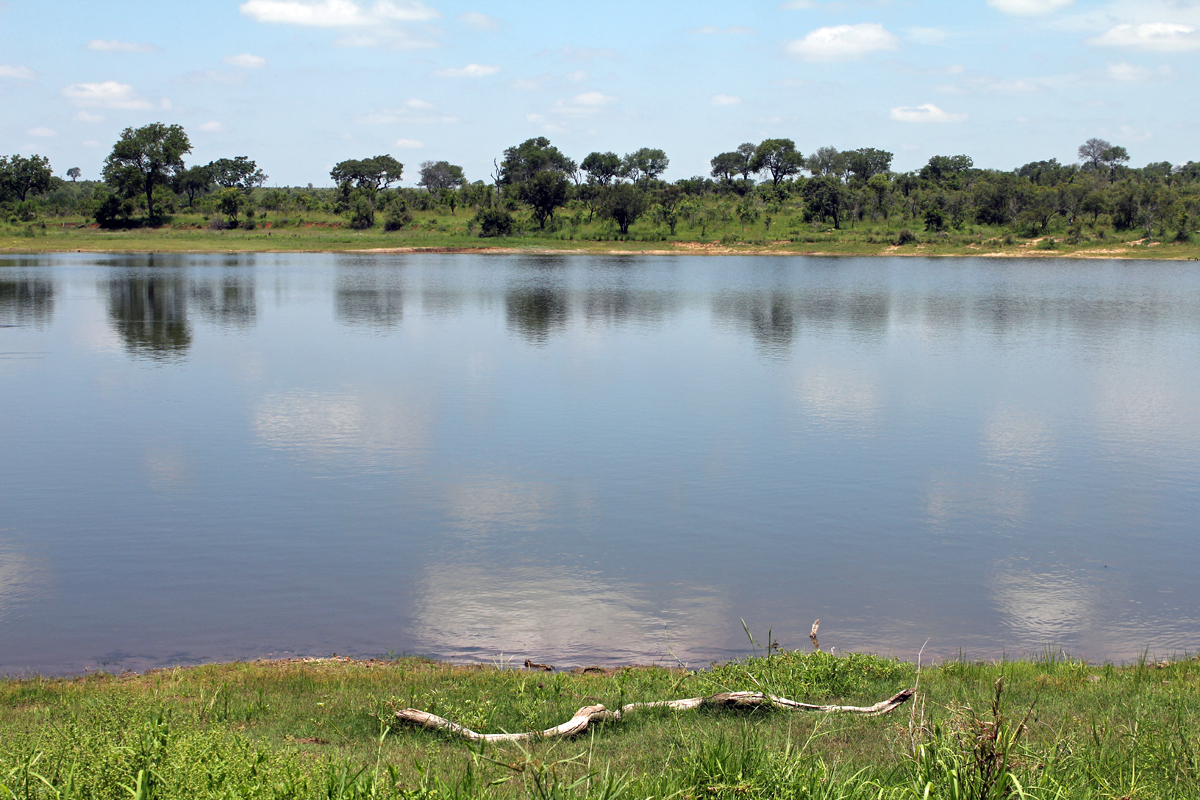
(145, 179)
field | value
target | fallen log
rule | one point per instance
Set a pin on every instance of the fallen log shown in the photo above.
(578, 723)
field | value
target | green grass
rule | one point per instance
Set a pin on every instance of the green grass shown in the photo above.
(1055, 728)
(318, 231)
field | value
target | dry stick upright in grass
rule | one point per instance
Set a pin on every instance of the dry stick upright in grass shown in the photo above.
(598, 713)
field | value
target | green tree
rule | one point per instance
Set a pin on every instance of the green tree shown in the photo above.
(146, 158)
(230, 202)
(644, 165)
(726, 165)
(942, 169)
(623, 204)
(1114, 157)
(438, 175)
(532, 156)
(74, 173)
(236, 173)
(824, 198)
(827, 161)
(372, 174)
(867, 162)
(779, 157)
(601, 167)
(21, 176)
(193, 182)
(544, 192)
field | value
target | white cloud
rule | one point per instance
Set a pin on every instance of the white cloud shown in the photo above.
(725, 100)
(246, 61)
(986, 84)
(592, 100)
(1169, 36)
(212, 127)
(793, 5)
(842, 42)
(108, 94)
(116, 46)
(18, 72)
(1128, 73)
(925, 113)
(731, 30)
(927, 35)
(42, 132)
(414, 111)
(409, 144)
(1028, 7)
(212, 76)
(335, 13)
(481, 22)
(85, 116)
(469, 71)
(577, 76)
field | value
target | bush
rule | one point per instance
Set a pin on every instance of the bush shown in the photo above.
(362, 213)
(906, 237)
(494, 222)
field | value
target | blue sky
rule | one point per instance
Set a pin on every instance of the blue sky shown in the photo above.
(299, 85)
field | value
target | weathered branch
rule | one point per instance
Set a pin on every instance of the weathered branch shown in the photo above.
(583, 717)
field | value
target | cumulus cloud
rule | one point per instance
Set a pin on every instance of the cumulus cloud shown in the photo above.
(796, 5)
(116, 46)
(18, 72)
(1128, 73)
(927, 35)
(409, 144)
(925, 113)
(1168, 36)
(469, 71)
(86, 116)
(107, 94)
(481, 22)
(212, 126)
(365, 26)
(246, 61)
(335, 13)
(585, 104)
(1028, 7)
(725, 100)
(839, 42)
(42, 132)
(414, 111)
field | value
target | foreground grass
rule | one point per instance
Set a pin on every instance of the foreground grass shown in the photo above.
(1052, 727)
(429, 230)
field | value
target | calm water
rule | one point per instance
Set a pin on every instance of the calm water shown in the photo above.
(594, 460)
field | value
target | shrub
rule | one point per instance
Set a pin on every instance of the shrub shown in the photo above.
(906, 237)
(494, 222)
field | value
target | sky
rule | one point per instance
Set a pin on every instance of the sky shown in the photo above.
(299, 85)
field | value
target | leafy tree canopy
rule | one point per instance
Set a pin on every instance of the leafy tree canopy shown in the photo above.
(778, 157)
(644, 165)
(1091, 152)
(942, 168)
(21, 176)
(436, 175)
(623, 204)
(145, 158)
(236, 173)
(544, 192)
(371, 174)
(726, 165)
(602, 167)
(532, 156)
(867, 162)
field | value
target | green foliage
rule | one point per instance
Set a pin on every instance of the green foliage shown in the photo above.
(623, 204)
(494, 222)
(522, 162)
(544, 192)
(371, 174)
(146, 158)
(777, 157)
(601, 167)
(239, 172)
(438, 175)
(644, 165)
(23, 176)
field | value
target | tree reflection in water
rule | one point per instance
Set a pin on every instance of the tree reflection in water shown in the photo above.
(150, 316)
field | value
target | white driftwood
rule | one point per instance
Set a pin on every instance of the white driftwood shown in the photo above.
(598, 713)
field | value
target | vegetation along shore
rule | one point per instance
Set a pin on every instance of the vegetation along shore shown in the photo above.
(758, 198)
(1047, 727)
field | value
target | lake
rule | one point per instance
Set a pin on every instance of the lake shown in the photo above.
(589, 459)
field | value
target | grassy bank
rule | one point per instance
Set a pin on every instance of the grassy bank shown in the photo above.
(322, 232)
(1051, 727)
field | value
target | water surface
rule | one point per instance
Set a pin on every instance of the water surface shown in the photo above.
(585, 459)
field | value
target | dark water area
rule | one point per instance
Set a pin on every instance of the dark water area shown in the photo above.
(594, 459)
